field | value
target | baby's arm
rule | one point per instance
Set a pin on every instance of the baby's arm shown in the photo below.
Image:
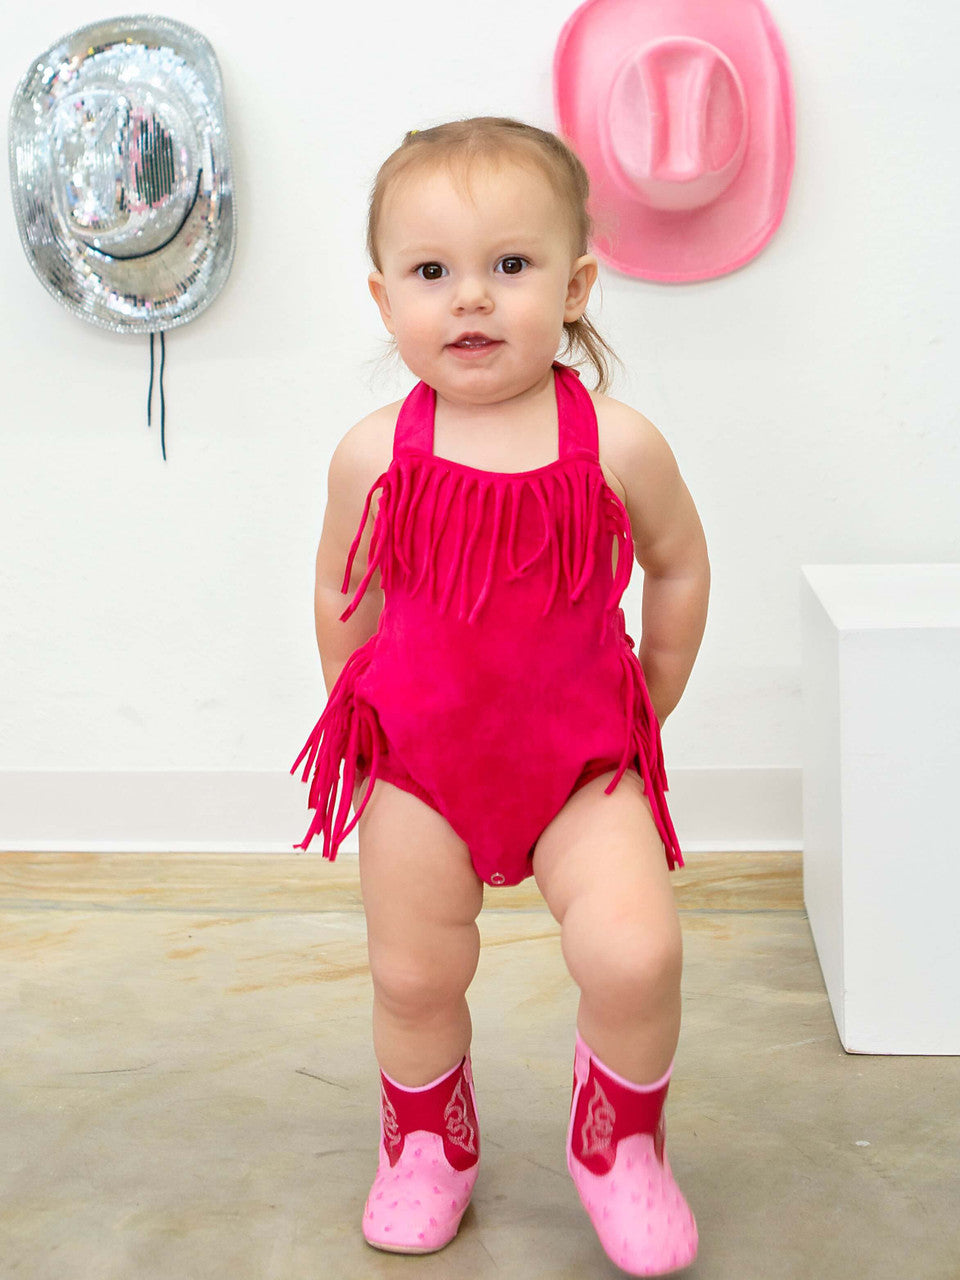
(669, 545)
(358, 460)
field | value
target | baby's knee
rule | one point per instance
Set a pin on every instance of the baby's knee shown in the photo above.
(624, 962)
(415, 987)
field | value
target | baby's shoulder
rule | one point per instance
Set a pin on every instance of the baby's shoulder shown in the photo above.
(366, 450)
(630, 446)
(620, 424)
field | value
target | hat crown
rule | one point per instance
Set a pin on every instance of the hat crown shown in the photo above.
(125, 166)
(675, 127)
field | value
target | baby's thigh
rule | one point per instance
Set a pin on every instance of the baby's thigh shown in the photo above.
(605, 849)
(418, 884)
(602, 869)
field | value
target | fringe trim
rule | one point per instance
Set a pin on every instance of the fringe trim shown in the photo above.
(643, 744)
(346, 727)
(575, 505)
(582, 499)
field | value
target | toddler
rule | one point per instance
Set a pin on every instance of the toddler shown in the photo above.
(485, 700)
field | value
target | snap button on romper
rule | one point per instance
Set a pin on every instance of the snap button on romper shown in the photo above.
(501, 678)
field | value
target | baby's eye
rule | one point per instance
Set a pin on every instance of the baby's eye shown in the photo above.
(431, 271)
(512, 265)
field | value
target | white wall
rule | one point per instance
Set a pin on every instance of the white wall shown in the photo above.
(158, 671)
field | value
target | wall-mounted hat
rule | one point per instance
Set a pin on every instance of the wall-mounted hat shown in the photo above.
(120, 168)
(682, 113)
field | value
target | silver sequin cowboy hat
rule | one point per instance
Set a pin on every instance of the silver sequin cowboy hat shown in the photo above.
(120, 167)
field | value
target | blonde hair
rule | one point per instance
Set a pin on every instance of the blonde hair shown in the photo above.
(459, 145)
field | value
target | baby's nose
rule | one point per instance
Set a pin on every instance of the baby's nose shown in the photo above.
(472, 294)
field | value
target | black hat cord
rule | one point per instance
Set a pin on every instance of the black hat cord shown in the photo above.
(163, 406)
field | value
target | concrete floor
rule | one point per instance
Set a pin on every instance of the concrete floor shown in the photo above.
(187, 1088)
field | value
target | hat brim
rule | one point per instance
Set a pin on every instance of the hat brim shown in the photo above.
(701, 243)
(154, 291)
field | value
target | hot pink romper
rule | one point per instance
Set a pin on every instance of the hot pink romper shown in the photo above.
(501, 678)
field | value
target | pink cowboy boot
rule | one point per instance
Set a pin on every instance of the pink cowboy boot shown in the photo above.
(616, 1159)
(429, 1149)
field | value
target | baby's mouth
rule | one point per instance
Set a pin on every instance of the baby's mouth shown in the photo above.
(473, 340)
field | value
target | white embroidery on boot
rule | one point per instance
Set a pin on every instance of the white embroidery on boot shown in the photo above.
(597, 1130)
(459, 1129)
(392, 1136)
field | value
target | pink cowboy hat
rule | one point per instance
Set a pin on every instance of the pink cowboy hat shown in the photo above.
(682, 113)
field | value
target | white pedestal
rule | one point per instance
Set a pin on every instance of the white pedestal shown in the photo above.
(881, 800)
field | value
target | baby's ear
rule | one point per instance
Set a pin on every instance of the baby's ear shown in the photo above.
(583, 277)
(378, 291)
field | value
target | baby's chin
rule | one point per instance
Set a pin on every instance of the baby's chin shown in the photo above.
(488, 377)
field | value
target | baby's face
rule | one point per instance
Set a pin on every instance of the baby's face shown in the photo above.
(476, 284)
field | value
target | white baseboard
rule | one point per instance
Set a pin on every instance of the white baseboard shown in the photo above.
(737, 810)
(152, 811)
(714, 810)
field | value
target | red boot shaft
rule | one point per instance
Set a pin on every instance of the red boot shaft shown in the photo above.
(607, 1109)
(445, 1108)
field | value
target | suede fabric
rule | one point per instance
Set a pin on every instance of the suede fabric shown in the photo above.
(501, 677)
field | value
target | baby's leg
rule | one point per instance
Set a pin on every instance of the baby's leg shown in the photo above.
(421, 897)
(601, 867)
